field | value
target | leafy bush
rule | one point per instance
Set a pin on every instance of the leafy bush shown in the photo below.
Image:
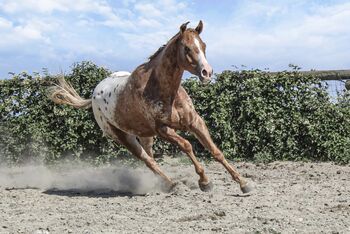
(251, 115)
(33, 127)
(284, 116)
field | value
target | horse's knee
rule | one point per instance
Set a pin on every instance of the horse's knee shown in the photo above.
(187, 147)
(197, 123)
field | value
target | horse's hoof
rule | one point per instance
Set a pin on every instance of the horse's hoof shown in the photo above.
(206, 187)
(167, 186)
(247, 188)
(172, 186)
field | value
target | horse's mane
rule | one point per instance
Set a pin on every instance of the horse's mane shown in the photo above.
(163, 46)
(157, 52)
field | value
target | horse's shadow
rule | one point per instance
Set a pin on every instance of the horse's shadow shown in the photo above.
(99, 193)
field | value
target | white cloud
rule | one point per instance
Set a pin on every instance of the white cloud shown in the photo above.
(27, 32)
(259, 34)
(43, 6)
(150, 23)
(146, 40)
(148, 9)
(15, 35)
(5, 24)
(65, 31)
(156, 23)
(312, 40)
(47, 7)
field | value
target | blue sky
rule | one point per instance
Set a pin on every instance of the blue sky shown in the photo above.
(120, 35)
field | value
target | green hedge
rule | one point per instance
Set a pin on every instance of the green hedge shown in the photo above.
(251, 115)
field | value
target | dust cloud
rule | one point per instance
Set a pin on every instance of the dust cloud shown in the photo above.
(80, 177)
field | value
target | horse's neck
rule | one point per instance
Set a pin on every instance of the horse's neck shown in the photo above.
(167, 74)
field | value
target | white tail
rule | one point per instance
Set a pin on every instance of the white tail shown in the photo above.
(64, 93)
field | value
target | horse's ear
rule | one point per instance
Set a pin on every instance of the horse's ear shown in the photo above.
(199, 27)
(184, 26)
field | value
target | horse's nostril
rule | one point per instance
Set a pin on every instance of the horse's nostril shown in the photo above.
(204, 73)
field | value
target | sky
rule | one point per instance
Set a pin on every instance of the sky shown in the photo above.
(120, 35)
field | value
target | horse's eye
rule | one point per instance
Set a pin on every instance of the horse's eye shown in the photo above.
(187, 50)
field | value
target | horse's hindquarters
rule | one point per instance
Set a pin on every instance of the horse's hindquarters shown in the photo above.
(105, 99)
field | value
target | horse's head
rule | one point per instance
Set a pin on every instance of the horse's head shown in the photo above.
(192, 52)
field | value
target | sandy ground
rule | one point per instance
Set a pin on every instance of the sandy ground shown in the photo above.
(289, 198)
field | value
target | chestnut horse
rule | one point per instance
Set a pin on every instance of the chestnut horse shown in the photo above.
(133, 108)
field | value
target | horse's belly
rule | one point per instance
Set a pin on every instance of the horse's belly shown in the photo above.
(136, 126)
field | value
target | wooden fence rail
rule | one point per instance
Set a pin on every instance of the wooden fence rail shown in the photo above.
(328, 74)
(331, 75)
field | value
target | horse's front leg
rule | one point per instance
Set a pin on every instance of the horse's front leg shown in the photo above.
(171, 136)
(200, 130)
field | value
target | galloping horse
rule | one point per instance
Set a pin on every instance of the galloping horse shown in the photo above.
(133, 108)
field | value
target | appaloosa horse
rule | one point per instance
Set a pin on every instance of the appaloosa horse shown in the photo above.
(133, 108)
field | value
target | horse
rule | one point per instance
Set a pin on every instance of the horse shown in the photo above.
(134, 108)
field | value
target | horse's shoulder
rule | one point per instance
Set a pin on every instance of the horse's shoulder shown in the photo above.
(183, 100)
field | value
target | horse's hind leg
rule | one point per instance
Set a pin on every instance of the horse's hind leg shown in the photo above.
(131, 143)
(200, 130)
(147, 143)
(170, 135)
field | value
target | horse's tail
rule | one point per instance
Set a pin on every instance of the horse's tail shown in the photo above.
(64, 93)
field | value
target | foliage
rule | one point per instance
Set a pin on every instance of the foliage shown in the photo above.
(32, 126)
(263, 116)
(251, 115)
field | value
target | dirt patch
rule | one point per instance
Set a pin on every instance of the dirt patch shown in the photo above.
(289, 198)
(80, 178)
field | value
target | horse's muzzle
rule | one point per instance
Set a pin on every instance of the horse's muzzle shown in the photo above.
(205, 75)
